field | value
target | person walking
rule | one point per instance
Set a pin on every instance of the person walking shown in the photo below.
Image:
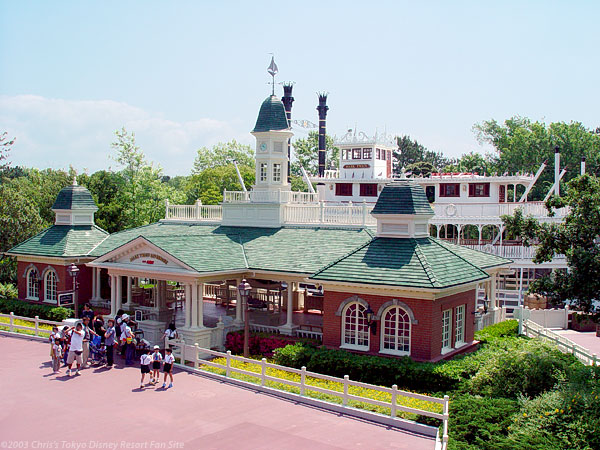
(145, 361)
(76, 348)
(168, 367)
(129, 344)
(156, 360)
(109, 341)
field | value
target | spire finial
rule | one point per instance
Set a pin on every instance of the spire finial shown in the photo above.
(272, 69)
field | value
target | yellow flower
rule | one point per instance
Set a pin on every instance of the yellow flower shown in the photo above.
(556, 410)
(547, 413)
(562, 411)
(524, 414)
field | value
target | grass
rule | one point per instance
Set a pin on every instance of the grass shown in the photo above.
(44, 330)
(325, 384)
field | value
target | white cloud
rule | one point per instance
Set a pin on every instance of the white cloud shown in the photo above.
(57, 133)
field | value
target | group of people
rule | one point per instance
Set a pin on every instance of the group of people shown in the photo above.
(72, 345)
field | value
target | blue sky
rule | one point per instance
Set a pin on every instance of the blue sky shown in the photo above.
(182, 75)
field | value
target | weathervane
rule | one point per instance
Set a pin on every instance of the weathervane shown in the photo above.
(272, 69)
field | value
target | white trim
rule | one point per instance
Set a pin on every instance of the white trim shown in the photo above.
(27, 275)
(346, 345)
(458, 343)
(47, 272)
(382, 328)
(355, 347)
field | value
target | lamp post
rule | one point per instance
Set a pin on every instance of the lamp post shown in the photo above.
(244, 288)
(74, 271)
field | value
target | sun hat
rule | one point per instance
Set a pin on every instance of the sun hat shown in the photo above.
(156, 347)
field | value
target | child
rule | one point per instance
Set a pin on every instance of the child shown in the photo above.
(145, 361)
(156, 359)
(54, 340)
(168, 367)
(56, 355)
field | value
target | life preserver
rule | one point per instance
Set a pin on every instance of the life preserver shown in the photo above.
(451, 210)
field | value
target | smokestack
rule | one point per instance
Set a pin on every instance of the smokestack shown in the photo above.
(557, 171)
(322, 108)
(287, 100)
(583, 165)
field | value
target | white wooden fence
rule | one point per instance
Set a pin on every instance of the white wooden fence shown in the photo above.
(490, 318)
(532, 329)
(195, 212)
(36, 321)
(198, 356)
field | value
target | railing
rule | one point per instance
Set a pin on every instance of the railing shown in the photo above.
(259, 328)
(37, 331)
(492, 317)
(547, 318)
(269, 197)
(196, 212)
(197, 355)
(482, 210)
(532, 329)
(507, 251)
(350, 214)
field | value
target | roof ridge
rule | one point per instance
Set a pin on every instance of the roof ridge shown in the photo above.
(457, 255)
(351, 252)
(243, 251)
(425, 264)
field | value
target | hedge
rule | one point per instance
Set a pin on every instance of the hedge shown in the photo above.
(46, 312)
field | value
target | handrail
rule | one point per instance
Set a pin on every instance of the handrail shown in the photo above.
(197, 353)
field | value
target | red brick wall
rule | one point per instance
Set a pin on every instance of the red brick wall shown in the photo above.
(426, 335)
(65, 281)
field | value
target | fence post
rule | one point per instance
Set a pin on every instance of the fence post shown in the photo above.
(345, 399)
(182, 359)
(196, 350)
(446, 416)
(302, 379)
(364, 212)
(594, 360)
(322, 205)
(263, 371)
(37, 325)
(394, 400)
(11, 321)
(228, 362)
(167, 208)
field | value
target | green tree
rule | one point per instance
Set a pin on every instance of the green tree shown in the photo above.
(306, 151)
(522, 145)
(5, 148)
(422, 168)
(576, 237)
(104, 187)
(411, 152)
(222, 154)
(209, 184)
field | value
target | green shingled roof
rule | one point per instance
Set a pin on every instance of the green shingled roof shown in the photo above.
(419, 263)
(271, 116)
(209, 248)
(62, 241)
(74, 197)
(402, 198)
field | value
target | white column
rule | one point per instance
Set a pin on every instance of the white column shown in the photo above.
(290, 305)
(194, 287)
(493, 296)
(113, 296)
(200, 305)
(98, 283)
(188, 305)
(480, 230)
(129, 290)
(239, 320)
(119, 291)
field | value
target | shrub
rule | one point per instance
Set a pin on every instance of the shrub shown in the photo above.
(294, 355)
(22, 308)
(8, 291)
(258, 345)
(500, 329)
(59, 314)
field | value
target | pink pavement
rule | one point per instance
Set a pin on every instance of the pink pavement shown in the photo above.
(106, 409)
(587, 339)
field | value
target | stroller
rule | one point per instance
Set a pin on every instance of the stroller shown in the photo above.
(97, 351)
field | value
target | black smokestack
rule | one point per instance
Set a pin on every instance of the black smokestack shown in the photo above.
(287, 104)
(322, 108)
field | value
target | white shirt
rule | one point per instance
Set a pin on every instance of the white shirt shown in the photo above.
(77, 340)
(169, 359)
(171, 334)
(156, 356)
(145, 359)
(127, 332)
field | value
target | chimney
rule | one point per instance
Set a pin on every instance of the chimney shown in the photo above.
(287, 100)
(557, 171)
(322, 108)
(583, 165)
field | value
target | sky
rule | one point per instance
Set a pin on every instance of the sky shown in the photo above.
(188, 74)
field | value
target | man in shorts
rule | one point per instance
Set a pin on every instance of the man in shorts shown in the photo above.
(76, 348)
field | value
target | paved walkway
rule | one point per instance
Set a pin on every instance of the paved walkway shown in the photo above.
(587, 339)
(106, 409)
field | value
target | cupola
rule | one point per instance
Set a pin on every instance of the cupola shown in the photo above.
(402, 211)
(74, 205)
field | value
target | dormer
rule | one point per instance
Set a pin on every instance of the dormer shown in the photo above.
(74, 205)
(402, 211)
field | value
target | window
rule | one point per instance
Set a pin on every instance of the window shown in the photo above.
(33, 288)
(450, 190)
(367, 153)
(479, 189)
(378, 153)
(276, 173)
(263, 171)
(459, 336)
(346, 153)
(446, 326)
(50, 286)
(396, 331)
(388, 155)
(355, 330)
(356, 153)
(368, 190)
(343, 189)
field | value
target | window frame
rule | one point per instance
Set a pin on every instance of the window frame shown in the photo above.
(357, 153)
(32, 284)
(263, 172)
(446, 330)
(276, 173)
(367, 153)
(53, 290)
(338, 189)
(395, 335)
(459, 324)
(474, 187)
(367, 193)
(443, 192)
(365, 332)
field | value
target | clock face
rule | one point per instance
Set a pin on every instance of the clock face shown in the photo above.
(263, 147)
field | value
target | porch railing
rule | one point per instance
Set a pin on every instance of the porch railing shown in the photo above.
(350, 214)
(269, 197)
(199, 357)
(532, 329)
(195, 212)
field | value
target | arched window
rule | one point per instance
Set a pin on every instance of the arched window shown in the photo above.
(50, 286)
(395, 335)
(33, 288)
(355, 330)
